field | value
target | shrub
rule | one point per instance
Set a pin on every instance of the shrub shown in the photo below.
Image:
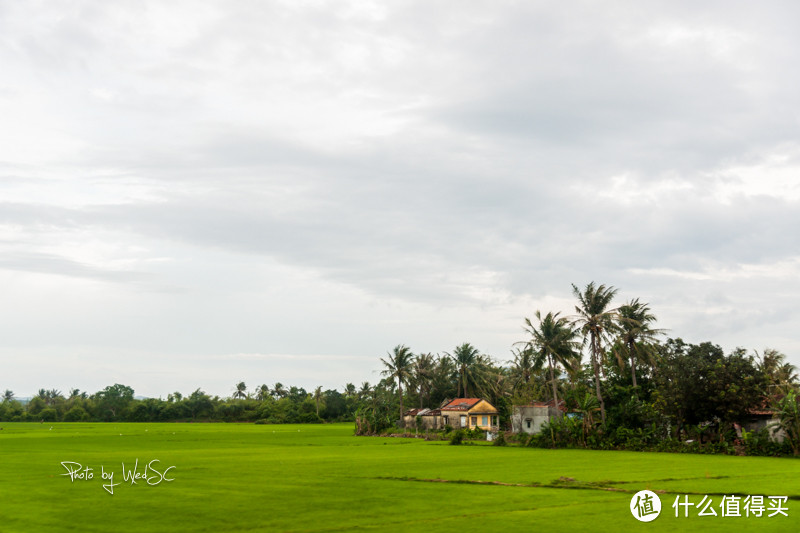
(76, 414)
(48, 414)
(457, 437)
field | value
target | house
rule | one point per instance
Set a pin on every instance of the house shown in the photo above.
(470, 413)
(428, 419)
(529, 418)
(763, 418)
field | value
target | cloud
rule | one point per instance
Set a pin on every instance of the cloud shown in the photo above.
(418, 170)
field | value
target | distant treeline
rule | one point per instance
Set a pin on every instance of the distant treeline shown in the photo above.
(608, 366)
(117, 403)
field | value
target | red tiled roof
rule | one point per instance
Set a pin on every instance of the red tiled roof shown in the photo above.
(461, 404)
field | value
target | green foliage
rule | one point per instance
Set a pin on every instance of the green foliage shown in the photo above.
(112, 401)
(553, 342)
(699, 383)
(789, 414)
(76, 414)
(48, 414)
(457, 437)
(761, 443)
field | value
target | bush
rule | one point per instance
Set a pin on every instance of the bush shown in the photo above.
(476, 433)
(457, 437)
(48, 414)
(500, 440)
(76, 414)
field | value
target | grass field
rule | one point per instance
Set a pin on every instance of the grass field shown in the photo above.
(244, 477)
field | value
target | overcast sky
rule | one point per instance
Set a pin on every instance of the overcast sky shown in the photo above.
(193, 194)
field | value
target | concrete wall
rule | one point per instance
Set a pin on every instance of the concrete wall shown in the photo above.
(529, 418)
(771, 424)
(455, 418)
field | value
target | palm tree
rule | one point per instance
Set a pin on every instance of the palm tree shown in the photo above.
(262, 392)
(781, 376)
(365, 390)
(318, 397)
(470, 366)
(422, 373)
(399, 367)
(349, 390)
(637, 336)
(587, 405)
(278, 391)
(553, 341)
(8, 395)
(522, 368)
(789, 413)
(575, 370)
(596, 322)
(240, 390)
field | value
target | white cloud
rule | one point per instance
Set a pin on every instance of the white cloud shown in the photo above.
(180, 181)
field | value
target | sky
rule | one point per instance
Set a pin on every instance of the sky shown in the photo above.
(194, 194)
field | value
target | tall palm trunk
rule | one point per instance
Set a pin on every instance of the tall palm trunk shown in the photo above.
(553, 381)
(596, 365)
(400, 387)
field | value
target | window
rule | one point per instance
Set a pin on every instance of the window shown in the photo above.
(474, 420)
(484, 420)
(463, 421)
(446, 420)
(528, 422)
(494, 420)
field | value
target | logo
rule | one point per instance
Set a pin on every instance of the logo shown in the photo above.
(645, 506)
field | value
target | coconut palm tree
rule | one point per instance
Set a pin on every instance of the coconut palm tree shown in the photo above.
(8, 395)
(318, 397)
(240, 390)
(422, 374)
(349, 390)
(522, 367)
(553, 341)
(365, 390)
(399, 366)
(637, 336)
(789, 413)
(586, 406)
(262, 392)
(596, 322)
(278, 391)
(470, 368)
(781, 376)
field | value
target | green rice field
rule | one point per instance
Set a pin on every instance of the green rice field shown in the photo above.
(245, 477)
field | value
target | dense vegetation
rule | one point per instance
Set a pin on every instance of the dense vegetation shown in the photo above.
(629, 387)
(625, 386)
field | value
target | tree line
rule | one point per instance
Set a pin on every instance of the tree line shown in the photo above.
(629, 384)
(277, 404)
(612, 365)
